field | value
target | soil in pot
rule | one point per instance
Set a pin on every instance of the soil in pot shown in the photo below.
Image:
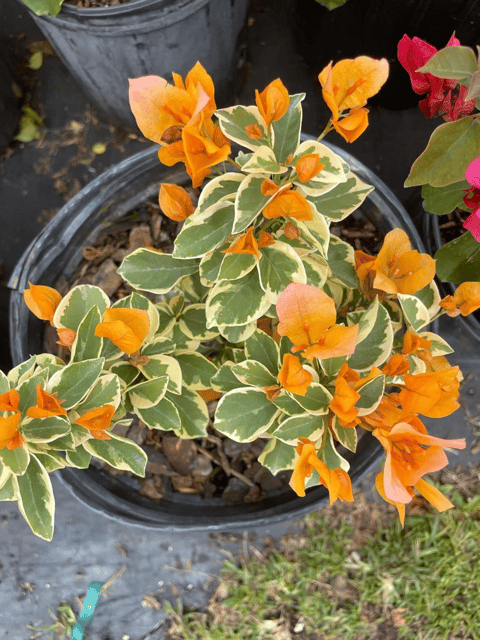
(84, 4)
(213, 466)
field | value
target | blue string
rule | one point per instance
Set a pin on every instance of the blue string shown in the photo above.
(86, 614)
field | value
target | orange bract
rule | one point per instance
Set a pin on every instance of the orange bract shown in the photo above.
(352, 126)
(97, 420)
(47, 405)
(175, 202)
(273, 101)
(307, 316)
(10, 437)
(126, 328)
(253, 131)
(465, 300)
(396, 269)
(293, 377)
(308, 166)
(337, 481)
(407, 461)
(66, 337)
(289, 204)
(9, 400)
(42, 301)
(246, 243)
(433, 394)
(396, 365)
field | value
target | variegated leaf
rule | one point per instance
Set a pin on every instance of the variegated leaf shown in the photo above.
(225, 380)
(162, 365)
(302, 426)
(262, 348)
(235, 266)
(316, 270)
(193, 412)
(316, 231)
(220, 188)
(164, 416)
(87, 345)
(35, 499)
(414, 311)
(75, 305)
(375, 338)
(155, 272)
(330, 456)
(193, 323)
(15, 459)
(286, 402)
(237, 334)
(286, 131)
(234, 121)
(341, 260)
(210, 267)
(74, 381)
(145, 395)
(278, 267)
(343, 199)
(254, 373)
(244, 414)
(249, 202)
(277, 456)
(119, 453)
(263, 161)
(315, 400)
(370, 395)
(197, 370)
(439, 346)
(205, 232)
(332, 174)
(45, 429)
(347, 436)
(430, 297)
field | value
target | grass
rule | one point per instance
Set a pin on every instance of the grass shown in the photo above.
(62, 625)
(354, 574)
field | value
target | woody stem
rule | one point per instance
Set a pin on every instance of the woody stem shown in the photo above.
(327, 129)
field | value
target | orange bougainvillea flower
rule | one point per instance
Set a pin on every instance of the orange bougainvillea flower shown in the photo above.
(291, 231)
(162, 110)
(66, 337)
(433, 394)
(246, 243)
(337, 481)
(430, 493)
(293, 377)
(417, 345)
(204, 146)
(10, 436)
(308, 166)
(349, 83)
(126, 328)
(465, 300)
(289, 204)
(268, 187)
(407, 461)
(388, 414)
(97, 421)
(396, 269)
(307, 316)
(273, 101)
(209, 394)
(352, 126)
(346, 394)
(253, 131)
(47, 405)
(9, 400)
(396, 365)
(175, 202)
(42, 301)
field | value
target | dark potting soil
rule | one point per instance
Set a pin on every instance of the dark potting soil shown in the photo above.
(84, 4)
(213, 466)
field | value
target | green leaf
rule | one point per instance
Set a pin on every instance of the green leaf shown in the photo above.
(75, 305)
(316, 399)
(237, 334)
(87, 345)
(80, 458)
(197, 370)
(331, 4)
(330, 456)
(375, 338)
(41, 7)
(439, 346)
(225, 380)
(287, 404)
(205, 232)
(137, 301)
(50, 460)
(316, 232)
(286, 131)
(7, 491)
(36, 60)
(163, 415)
(237, 303)
(414, 311)
(254, 373)
(125, 371)
(35, 499)
(279, 266)
(106, 390)
(451, 148)
(234, 120)
(303, 426)
(45, 429)
(15, 459)
(154, 272)
(277, 456)
(474, 87)
(451, 62)
(459, 260)
(249, 202)
(28, 392)
(74, 381)
(429, 296)
(163, 365)
(262, 161)
(193, 323)
(244, 414)
(120, 453)
(210, 266)
(262, 348)
(347, 436)
(158, 346)
(222, 187)
(145, 395)
(193, 411)
(332, 173)
(316, 269)
(235, 266)
(370, 395)
(30, 124)
(443, 200)
(21, 372)
(4, 385)
(343, 199)
(341, 260)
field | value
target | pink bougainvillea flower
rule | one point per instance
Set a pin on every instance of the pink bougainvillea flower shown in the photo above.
(472, 223)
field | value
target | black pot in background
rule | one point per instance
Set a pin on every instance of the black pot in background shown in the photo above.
(103, 47)
(57, 250)
(433, 240)
(374, 28)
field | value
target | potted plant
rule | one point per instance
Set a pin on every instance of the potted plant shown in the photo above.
(102, 45)
(448, 169)
(304, 339)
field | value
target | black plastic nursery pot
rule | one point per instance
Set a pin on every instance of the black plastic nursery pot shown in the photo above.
(433, 240)
(9, 102)
(57, 250)
(374, 28)
(103, 47)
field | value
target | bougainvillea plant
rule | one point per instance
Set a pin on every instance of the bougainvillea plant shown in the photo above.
(44, 7)
(448, 169)
(304, 341)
